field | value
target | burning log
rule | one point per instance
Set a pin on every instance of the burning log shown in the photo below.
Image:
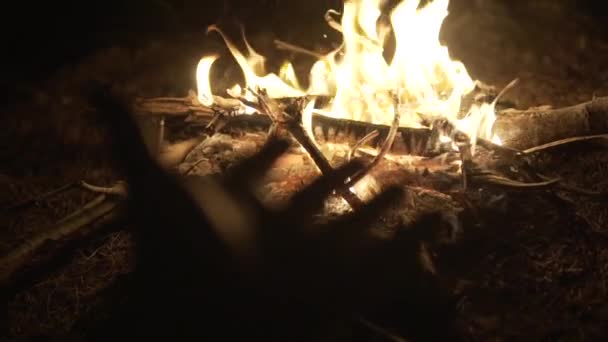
(415, 141)
(518, 129)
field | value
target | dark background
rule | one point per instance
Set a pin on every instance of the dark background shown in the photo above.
(41, 36)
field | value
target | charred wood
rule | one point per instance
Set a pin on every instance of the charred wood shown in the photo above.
(518, 129)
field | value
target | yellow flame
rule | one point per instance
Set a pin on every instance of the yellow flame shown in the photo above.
(288, 74)
(275, 87)
(202, 80)
(362, 81)
(307, 120)
(478, 123)
(256, 61)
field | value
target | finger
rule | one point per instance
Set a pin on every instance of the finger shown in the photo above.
(254, 167)
(359, 221)
(310, 200)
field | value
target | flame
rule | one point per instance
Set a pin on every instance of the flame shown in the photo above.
(272, 83)
(288, 74)
(307, 119)
(203, 69)
(363, 82)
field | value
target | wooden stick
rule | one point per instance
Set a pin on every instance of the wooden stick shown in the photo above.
(388, 143)
(118, 189)
(513, 184)
(281, 45)
(294, 125)
(16, 267)
(300, 135)
(361, 142)
(563, 142)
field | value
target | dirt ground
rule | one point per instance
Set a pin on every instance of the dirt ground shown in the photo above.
(541, 271)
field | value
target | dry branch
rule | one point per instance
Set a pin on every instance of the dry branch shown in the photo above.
(499, 181)
(281, 45)
(563, 142)
(360, 143)
(388, 143)
(24, 263)
(118, 189)
(294, 125)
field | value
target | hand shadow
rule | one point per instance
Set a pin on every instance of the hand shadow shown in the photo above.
(216, 264)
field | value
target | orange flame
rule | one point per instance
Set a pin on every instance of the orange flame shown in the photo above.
(361, 82)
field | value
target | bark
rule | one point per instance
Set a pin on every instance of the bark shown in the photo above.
(536, 126)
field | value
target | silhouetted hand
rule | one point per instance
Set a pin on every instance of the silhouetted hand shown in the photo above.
(214, 262)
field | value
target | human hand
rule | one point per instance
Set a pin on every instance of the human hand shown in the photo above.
(210, 250)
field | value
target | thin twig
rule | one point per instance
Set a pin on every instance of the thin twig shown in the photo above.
(388, 143)
(576, 190)
(212, 127)
(504, 90)
(333, 23)
(379, 330)
(119, 188)
(194, 165)
(510, 183)
(273, 131)
(466, 161)
(371, 135)
(489, 145)
(459, 136)
(563, 142)
(295, 127)
(281, 45)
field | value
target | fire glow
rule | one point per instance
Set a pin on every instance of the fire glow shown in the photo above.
(420, 77)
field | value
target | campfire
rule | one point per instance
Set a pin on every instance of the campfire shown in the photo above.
(391, 94)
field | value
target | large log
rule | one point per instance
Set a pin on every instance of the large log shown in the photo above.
(522, 129)
(518, 129)
(415, 141)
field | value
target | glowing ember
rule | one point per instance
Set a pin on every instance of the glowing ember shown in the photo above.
(363, 83)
